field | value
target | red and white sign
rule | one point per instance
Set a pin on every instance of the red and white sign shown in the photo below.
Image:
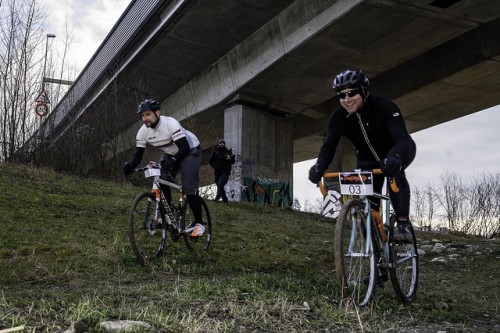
(42, 97)
(41, 109)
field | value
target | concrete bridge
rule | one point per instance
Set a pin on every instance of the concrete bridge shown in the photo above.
(258, 73)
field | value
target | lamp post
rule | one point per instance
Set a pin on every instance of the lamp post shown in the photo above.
(42, 101)
(48, 79)
(45, 59)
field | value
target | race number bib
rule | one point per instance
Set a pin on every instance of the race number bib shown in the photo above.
(356, 183)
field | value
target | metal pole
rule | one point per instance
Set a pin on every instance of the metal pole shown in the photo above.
(40, 127)
(46, 51)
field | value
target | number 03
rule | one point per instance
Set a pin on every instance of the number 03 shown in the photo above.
(355, 189)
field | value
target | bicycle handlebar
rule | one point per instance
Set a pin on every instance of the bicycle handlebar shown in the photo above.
(392, 181)
(168, 179)
(137, 182)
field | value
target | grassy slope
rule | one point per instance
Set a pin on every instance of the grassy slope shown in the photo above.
(64, 256)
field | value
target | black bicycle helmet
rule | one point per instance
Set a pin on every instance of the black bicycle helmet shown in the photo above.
(148, 104)
(351, 79)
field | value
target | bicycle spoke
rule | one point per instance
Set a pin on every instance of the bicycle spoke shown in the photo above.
(354, 265)
(404, 275)
(202, 243)
(147, 233)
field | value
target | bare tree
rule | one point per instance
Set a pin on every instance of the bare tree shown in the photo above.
(424, 202)
(21, 35)
(482, 205)
(296, 205)
(313, 207)
(24, 61)
(469, 208)
(418, 206)
(452, 199)
(431, 204)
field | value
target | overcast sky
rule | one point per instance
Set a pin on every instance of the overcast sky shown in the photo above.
(467, 145)
(87, 21)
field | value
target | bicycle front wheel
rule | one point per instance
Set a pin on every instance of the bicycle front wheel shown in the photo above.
(355, 260)
(147, 234)
(201, 243)
(404, 262)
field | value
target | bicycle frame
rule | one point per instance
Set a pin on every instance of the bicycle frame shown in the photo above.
(383, 197)
(369, 224)
(176, 228)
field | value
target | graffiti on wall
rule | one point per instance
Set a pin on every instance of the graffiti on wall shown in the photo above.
(263, 190)
(233, 186)
(267, 191)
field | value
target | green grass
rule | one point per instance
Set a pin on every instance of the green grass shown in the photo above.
(65, 257)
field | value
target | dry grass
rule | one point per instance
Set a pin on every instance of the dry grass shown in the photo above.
(64, 257)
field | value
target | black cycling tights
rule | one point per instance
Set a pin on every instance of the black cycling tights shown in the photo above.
(194, 202)
(400, 200)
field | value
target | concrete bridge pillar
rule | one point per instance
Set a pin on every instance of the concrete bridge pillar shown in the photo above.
(345, 157)
(263, 145)
(344, 160)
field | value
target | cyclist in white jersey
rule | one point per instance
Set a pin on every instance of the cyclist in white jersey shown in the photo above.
(181, 151)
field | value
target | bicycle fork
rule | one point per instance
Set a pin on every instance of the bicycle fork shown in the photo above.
(159, 196)
(381, 245)
(356, 223)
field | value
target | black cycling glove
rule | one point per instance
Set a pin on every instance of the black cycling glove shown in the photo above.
(316, 172)
(391, 165)
(127, 169)
(169, 164)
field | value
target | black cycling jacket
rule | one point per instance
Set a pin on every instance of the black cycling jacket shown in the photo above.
(379, 124)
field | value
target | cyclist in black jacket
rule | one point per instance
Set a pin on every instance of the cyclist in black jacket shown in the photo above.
(377, 129)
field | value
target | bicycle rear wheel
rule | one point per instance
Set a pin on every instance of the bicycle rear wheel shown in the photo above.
(201, 243)
(355, 260)
(147, 235)
(404, 260)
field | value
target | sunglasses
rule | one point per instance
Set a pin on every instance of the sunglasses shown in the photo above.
(350, 93)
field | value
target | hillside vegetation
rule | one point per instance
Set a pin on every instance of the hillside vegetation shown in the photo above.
(65, 258)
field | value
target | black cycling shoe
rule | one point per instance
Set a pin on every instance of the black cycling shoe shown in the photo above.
(402, 233)
(383, 276)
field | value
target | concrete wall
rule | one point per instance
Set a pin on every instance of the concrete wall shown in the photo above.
(264, 147)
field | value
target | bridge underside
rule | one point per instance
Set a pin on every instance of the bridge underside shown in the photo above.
(437, 60)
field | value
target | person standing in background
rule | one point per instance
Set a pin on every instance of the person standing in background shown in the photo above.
(221, 161)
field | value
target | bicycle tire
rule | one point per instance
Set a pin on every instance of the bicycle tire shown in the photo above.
(146, 238)
(203, 242)
(356, 271)
(404, 263)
